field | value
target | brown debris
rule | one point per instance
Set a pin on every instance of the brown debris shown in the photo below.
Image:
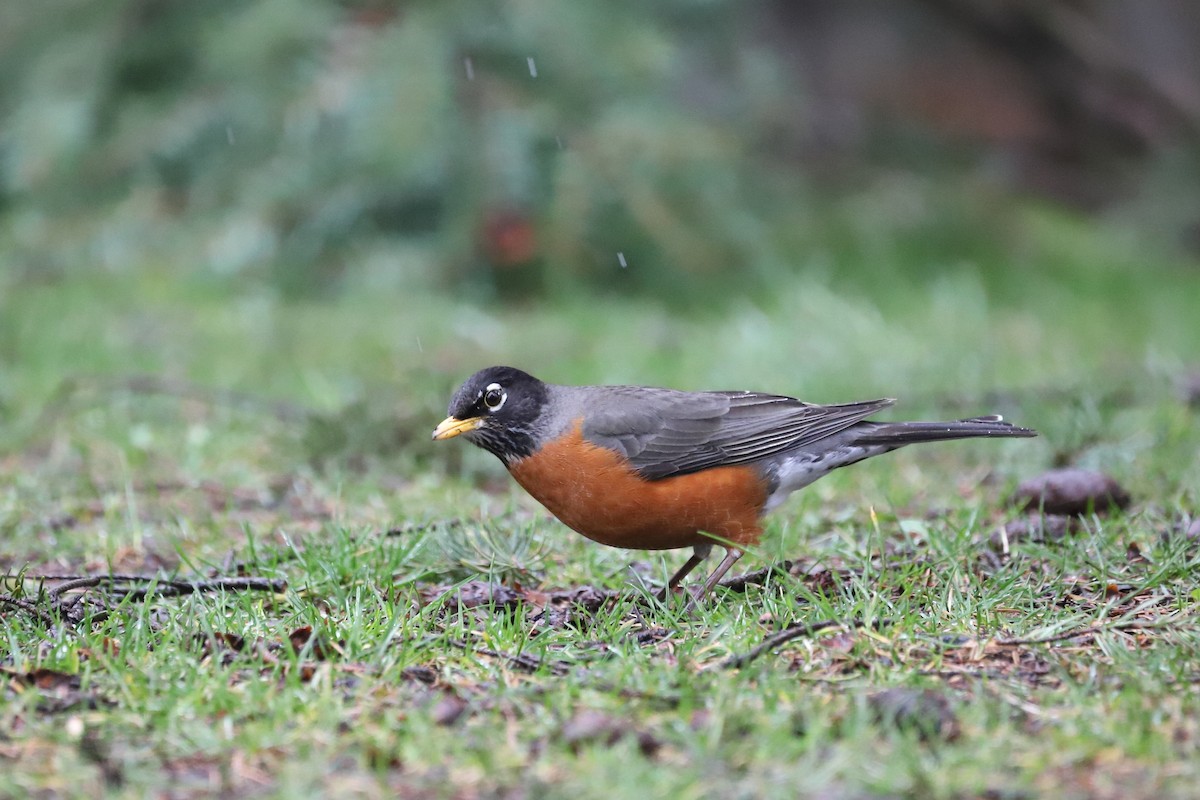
(448, 709)
(55, 691)
(958, 666)
(474, 594)
(595, 727)
(1134, 554)
(556, 609)
(420, 673)
(303, 636)
(1039, 528)
(43, 678)
(568, 607)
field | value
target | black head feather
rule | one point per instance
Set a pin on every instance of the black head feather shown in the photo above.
(509, 402)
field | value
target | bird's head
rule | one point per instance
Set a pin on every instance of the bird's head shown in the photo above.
(497, 409)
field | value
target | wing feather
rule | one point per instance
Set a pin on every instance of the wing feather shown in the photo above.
(664, 432)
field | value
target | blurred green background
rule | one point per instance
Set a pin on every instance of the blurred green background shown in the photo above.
(348, 206)
(248, 248)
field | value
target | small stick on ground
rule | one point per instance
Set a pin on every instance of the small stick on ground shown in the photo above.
(738, 583)
(180, 588)
(788, 634)
(65, 600)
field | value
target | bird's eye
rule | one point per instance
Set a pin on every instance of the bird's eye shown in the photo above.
(494, 397)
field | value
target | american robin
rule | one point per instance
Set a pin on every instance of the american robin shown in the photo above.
(658, 469)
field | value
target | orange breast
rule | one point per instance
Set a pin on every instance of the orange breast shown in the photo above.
(592, 490)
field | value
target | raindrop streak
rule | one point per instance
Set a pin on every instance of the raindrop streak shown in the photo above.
(419, 348)
(532, 67)
(470, 68)
(229, 133)
(621, 259)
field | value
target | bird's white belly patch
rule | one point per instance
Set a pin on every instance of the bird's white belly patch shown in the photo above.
(797, 470)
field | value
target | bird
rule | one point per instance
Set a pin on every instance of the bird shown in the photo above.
(639, 467)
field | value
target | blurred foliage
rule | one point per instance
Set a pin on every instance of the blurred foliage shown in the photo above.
(495, 148)
(501, 150)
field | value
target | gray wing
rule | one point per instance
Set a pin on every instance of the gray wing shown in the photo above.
(664, 432)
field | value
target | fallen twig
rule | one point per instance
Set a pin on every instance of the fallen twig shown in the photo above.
(180, 588)
(64, 601)
(80, 582)
(793, 632)
(738, 583)
(162, 587)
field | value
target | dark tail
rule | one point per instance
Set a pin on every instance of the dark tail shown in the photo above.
(895, 434)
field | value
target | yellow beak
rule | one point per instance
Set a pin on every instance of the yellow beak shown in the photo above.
(452, 426)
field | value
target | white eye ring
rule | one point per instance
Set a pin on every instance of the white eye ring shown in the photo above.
(490, 397)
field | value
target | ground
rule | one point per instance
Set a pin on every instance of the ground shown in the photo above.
(300, 594)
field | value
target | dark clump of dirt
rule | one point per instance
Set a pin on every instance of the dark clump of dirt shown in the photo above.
(1071, 491)
(1189, 389)
(589, 727)
(925, 711)
(1055, 503)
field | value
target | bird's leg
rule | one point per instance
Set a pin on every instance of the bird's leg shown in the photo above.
(699, 553)
(732, 554)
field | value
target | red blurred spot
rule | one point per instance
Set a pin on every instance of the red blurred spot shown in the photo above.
(509, 238)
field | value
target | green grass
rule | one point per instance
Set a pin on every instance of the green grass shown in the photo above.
(164, 420)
